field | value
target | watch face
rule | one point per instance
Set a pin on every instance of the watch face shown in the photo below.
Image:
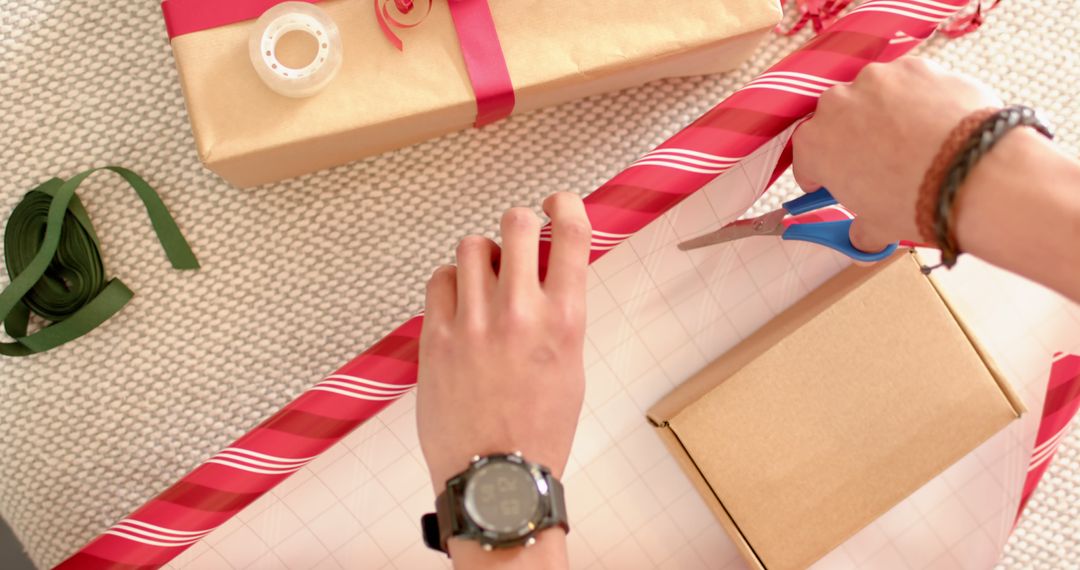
(502, 497)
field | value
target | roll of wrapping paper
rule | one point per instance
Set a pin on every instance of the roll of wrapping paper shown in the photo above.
(878, 30)
(1060, 405)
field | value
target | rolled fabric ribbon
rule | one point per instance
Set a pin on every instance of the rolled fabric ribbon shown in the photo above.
(878, 30)
(389, 18)
(286, 18)
(54, 261)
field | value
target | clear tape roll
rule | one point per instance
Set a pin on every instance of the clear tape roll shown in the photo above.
(283, 19)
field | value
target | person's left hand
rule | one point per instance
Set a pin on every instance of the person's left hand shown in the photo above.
(501, 365)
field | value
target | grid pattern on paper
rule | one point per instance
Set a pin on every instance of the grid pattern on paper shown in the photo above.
(656, 315)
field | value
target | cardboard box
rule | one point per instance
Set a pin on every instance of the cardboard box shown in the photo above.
(382, 99)
(834, 412)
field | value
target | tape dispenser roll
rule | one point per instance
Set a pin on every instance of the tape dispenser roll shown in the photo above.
(304, 18)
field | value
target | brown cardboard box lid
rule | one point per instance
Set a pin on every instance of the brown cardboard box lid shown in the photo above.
(834, 412)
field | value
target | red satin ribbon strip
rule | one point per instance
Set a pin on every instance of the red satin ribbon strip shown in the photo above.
(190, 16)
(483, 59)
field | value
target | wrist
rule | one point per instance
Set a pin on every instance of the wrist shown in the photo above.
(549, 551)
(994, 193)
(1013, 188)
(964, 162)
(502, 511)
(452, 466)
(1021, 210)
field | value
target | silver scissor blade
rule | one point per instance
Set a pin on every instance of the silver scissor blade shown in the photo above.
(764, 225)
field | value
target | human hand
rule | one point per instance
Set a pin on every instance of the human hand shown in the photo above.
(871, 142)
(501, 364)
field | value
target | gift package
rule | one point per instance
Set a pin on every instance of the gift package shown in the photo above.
(458, 66)
(835, 411)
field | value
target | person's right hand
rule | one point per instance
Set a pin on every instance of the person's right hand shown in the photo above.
(870, 142)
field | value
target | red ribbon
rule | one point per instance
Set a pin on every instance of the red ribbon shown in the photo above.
(473, 23)
(822, 13)
(819, 13)
(480, 47)
(388, 21)
(968, 21)
(483, 59)
(190, 16)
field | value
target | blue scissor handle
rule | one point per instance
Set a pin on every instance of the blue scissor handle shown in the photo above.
(809, 202)
(835, 235)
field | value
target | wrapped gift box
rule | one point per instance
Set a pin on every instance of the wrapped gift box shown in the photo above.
(832, 413)
(383, 99)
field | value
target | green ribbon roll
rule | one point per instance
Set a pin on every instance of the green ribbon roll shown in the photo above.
(53, 258)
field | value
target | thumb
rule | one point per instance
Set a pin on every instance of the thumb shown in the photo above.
(865, 237)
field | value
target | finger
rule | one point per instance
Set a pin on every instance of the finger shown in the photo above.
(923, 62)
(571, 235)
(875, 71)
(475, 274)
(833, 102)
(519, 266)
(865, 237)
(802, 156)
(440, 303)
(913, 63)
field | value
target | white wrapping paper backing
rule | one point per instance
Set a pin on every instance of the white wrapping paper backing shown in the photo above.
(656, 315)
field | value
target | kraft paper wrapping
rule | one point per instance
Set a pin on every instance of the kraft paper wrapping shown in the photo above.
(383, 99)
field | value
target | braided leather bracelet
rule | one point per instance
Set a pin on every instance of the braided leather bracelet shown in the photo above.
(978, 132)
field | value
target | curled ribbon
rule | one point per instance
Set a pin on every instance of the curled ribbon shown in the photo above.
(54, 261)
(388, 20)
(968, 20)
(819, 13)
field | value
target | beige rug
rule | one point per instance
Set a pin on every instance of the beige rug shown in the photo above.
(300, 276)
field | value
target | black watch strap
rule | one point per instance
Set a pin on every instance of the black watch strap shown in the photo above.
(429, 526)
(558, 515)
(445, 526)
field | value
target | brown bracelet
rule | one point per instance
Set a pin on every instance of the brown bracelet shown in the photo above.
(933, 180)
(968, 142)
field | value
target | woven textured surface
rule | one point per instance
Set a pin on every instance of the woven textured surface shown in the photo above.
(298, 277)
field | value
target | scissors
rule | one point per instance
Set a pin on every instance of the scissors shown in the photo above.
(834, 235)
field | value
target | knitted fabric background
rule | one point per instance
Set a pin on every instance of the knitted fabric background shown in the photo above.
(300, 276)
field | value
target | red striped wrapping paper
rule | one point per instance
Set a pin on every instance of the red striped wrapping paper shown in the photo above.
(878, 30)
(1060, 407)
